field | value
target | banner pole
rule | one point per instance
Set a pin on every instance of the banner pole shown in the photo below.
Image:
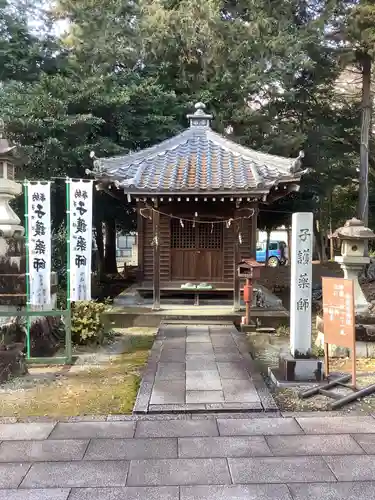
(26, 198)
(68, 325)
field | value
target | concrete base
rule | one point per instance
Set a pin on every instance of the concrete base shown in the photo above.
(300, 370)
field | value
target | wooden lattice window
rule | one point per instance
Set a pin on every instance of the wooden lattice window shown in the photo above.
(182, 236)
(210, 236)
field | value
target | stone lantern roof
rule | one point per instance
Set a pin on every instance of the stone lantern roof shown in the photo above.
(5, 147)
(353, 229)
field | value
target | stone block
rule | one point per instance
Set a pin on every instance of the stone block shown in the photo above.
(39, 451)
(176, 428)
(237, 492)
(335, 425)
(168, 392)
(203, 380)
(279, 470)
(198, 348)
(11, 475)
(76, 474)
(178, 471)
(233, 371)
(366, 441)
(27, 431)
(49, 494)
(129, 493)
(300, 370)
(131, 449)
(339, 444)
(215, 447)
(352, 468)
(88, 430)
(171, 371)
(258, 426)
(338, 491)
(239, 391)
(204, 397)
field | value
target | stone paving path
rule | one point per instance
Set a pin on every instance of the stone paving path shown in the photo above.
(200, 368)
(206, 458)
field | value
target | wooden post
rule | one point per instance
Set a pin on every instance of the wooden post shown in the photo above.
(254, 230)
(156, 257)
(140, 244)
(236, 260)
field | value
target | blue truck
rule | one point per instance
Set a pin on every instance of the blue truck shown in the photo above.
(277, 253)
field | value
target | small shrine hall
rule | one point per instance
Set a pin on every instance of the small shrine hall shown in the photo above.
(197, 197)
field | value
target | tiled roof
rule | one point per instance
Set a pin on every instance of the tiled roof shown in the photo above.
(198, 160)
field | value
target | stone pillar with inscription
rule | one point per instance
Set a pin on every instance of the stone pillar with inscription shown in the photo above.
(301, 284)
(298, 365)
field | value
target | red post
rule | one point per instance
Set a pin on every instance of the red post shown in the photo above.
(248, 298)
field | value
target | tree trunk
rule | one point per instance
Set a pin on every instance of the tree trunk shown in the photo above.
(100, 247)
(317, 239)
(110, 264)
(289, 235)
(331, 248)
(363, 200)
(268, 245)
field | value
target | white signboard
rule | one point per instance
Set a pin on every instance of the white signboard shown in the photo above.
(39, 242)
(301, 283)
(80, 238)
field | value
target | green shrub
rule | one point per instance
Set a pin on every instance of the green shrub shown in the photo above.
(87, 326)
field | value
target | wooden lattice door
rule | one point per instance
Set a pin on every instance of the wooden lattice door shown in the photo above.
(196, 251)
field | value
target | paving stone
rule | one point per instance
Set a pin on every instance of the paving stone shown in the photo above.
(50, 494)
(213, 447)
(193, 407)
(197, 328)
(177, 428)
(366, 441)
(239, 391)
(39, 451)
(340, 444)
(338, 491)
(131, 449)
(195, 363)
(172, 355)
(204, 397)
(237, 492)
(168, 392)
(88, 430)
(199, 348)
(352, 468)
(171, 371)
(203, 380)
(265, 426)
(11, 475)
(203, 338)
(279, 470)
(228, 357)
(76, 474)
(337, 425)
(233, 371)
(129, 493)
(26, 431)
(179, 471)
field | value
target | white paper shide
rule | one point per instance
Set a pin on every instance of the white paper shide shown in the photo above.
(39, 242)
(80, 238)
(301, 283)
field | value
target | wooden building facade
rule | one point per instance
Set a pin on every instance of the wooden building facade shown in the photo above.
(197, 197)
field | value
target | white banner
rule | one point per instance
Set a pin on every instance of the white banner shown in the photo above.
(39, 242)
(80, 237)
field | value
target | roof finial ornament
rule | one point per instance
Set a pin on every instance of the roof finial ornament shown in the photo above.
(200, 118)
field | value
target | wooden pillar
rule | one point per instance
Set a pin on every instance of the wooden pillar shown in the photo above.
(156, 257)
(236, 260)
(254, 230)
(140, 244)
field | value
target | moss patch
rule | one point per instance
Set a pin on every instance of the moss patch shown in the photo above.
(108, 387)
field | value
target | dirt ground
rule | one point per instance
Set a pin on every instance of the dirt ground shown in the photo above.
(103, 381)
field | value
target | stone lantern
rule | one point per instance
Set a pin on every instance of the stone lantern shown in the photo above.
(353, 236)
(9, 222)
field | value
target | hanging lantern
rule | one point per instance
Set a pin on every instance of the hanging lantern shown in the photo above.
(240, 238)
(182, 223)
